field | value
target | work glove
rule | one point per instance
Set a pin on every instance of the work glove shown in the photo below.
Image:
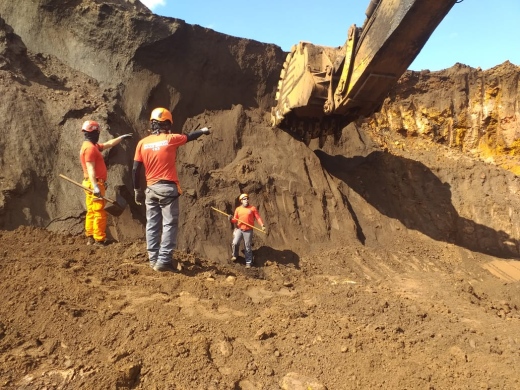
(263, 228)
(96, 191)
(139, 196)
(125, 136)
(229, 217)
(205, 130)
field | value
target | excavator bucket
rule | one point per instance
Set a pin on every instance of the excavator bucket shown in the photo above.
(322, 89)
(304, 88)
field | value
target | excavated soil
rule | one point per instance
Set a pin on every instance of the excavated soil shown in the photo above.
(391, 258)
(414, 314)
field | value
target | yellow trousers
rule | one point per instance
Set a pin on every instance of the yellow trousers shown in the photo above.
(96, 219)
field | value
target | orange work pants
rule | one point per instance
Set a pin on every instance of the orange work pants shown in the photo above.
(96, 219)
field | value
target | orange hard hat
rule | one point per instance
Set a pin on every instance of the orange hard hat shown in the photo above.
(242, 196)
(90, 126)
(161, 115)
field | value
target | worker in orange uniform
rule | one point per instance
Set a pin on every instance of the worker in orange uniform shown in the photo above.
(244, 213)
(95, 177)
(157, 153)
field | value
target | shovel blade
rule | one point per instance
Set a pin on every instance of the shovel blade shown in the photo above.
(116, 207)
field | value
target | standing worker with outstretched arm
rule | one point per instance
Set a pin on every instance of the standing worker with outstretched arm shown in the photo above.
(157, 153)
(95, 178)
(244, 213)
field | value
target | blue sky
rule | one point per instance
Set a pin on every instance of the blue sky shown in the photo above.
(478, 33)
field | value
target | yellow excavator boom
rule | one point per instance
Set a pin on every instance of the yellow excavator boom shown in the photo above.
(322, 89)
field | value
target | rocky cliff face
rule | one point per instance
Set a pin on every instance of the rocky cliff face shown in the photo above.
(469, 109)
(431, 162)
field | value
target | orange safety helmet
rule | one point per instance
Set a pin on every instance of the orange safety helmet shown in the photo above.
(161, 115)
(242, 196)
(90, 126)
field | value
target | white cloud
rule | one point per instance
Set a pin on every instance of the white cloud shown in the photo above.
(151, 4)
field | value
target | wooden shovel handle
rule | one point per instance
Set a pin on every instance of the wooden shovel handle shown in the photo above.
(245, 223)
(89, 190)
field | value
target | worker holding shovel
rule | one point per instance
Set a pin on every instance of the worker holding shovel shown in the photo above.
(94, 178)
(244, 217)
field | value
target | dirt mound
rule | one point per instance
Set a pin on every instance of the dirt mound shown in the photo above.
(424, 315)
(166, 64)
(391, 259)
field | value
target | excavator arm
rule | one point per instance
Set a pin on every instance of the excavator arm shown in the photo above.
(322, 89)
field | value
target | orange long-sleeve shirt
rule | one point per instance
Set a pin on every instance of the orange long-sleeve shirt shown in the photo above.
(248, 215)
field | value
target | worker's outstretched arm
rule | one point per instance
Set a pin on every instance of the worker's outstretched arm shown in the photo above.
(115, 141)
(197, 133)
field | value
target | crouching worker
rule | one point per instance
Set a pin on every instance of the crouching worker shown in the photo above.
(244, 217)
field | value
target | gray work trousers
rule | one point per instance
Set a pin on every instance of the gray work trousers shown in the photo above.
(247, 235)
(162, 221)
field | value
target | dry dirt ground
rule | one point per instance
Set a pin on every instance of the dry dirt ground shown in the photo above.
(382, 269)
(423, 315)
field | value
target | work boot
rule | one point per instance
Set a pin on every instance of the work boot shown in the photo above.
(248, 265)
(101, 243)
(233, 258)
(90, 240)
(164, 267)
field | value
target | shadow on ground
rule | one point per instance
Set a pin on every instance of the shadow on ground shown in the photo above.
(410, 192)
(285, 257)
